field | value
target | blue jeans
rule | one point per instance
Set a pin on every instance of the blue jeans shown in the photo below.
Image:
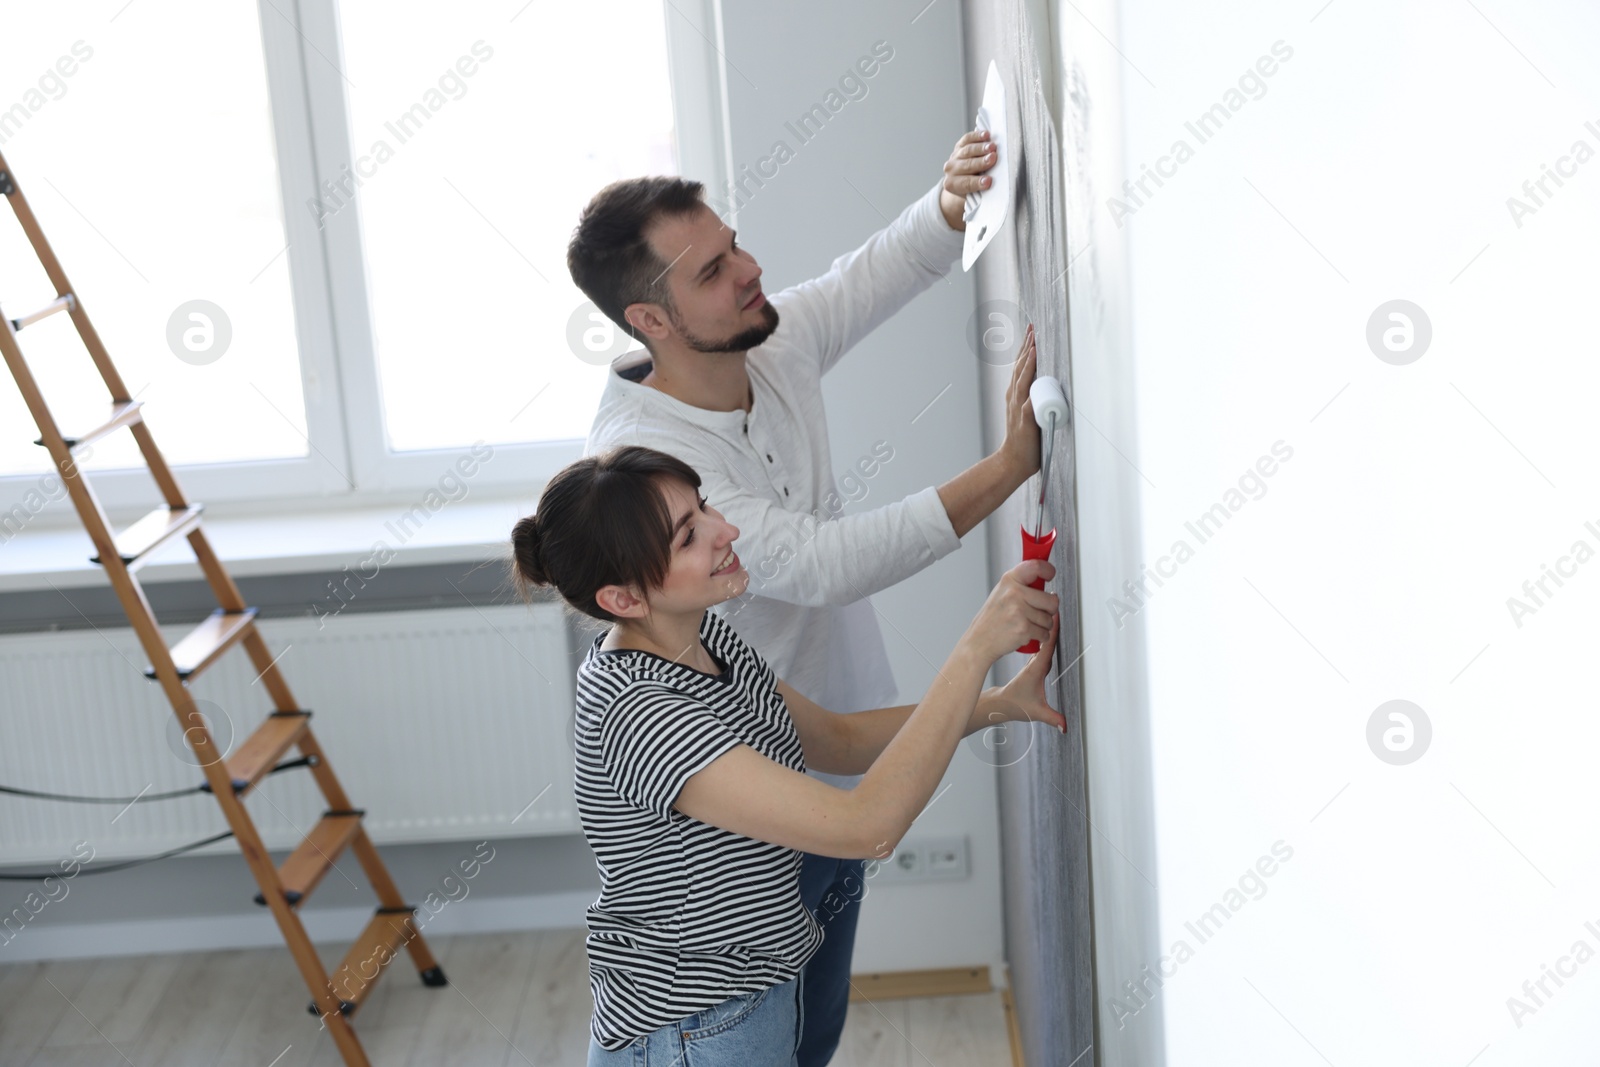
(760, 1029)
(832, 889)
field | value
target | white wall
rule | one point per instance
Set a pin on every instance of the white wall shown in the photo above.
(873, 158)
(1378, 564)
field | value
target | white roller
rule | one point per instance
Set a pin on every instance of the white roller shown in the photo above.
(1048, 398)
(1050, 412)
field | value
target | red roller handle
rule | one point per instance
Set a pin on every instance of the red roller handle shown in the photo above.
(1036, 548)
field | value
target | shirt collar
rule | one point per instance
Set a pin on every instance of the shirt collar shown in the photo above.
(730, 422)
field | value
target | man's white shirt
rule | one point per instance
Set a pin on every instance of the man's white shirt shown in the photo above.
(770, 472)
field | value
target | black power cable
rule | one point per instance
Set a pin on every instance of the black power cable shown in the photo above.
(203, 787)
(98, 800)
(124, 865)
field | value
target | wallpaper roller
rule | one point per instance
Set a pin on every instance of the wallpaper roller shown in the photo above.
(1050, 412)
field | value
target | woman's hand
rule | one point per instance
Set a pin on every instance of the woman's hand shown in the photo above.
(1014, 614)
(1023, 698)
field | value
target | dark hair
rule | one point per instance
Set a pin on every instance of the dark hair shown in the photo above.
(608, 256)
(601, 521)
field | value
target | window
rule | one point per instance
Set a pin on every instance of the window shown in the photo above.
(483, 139)
(377, 199)
(153, 194)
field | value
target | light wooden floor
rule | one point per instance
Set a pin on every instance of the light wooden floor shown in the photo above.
(513, 999)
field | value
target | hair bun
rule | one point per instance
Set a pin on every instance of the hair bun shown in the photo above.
(526, 547)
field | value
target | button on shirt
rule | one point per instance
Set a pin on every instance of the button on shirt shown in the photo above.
(770, 472)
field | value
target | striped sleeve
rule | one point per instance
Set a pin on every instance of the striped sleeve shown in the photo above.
(654, 739)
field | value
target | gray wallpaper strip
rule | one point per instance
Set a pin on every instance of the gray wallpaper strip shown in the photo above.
(1045, 838)
(1080, 918)
(1120, 814)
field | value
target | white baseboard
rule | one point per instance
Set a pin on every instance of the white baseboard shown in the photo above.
(256, 929)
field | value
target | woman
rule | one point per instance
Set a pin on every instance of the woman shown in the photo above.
(691, 760)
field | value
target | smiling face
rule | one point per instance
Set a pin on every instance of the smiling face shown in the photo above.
(705, 570)
(717, 302)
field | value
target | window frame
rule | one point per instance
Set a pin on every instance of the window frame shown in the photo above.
(320, 473)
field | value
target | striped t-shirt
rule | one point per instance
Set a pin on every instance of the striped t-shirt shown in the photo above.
(689, 914)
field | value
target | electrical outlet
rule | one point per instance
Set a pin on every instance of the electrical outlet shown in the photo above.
(934, 859)
(947, 859)
(908, 862)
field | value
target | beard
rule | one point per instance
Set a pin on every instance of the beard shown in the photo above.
(742, 341)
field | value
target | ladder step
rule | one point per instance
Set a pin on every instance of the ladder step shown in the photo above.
(263, 749)
(377, 947)
(135, 544)
(208, 641)
(316, 855)
(65, 302)
(123, 413)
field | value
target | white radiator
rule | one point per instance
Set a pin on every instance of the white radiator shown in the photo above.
(442, 724)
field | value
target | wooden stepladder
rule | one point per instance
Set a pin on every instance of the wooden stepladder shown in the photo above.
(336, 996)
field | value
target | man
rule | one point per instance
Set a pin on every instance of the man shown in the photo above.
(727, 391)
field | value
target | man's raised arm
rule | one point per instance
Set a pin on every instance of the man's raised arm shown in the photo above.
(865, 287)
(813, 560)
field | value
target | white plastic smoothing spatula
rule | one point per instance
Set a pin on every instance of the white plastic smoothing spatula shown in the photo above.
(986, 210)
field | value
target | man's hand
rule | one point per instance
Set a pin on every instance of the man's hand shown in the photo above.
(1020, 449)
(971, 496)
(963, 174)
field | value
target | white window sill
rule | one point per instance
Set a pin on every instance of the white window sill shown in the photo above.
(251, 545)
